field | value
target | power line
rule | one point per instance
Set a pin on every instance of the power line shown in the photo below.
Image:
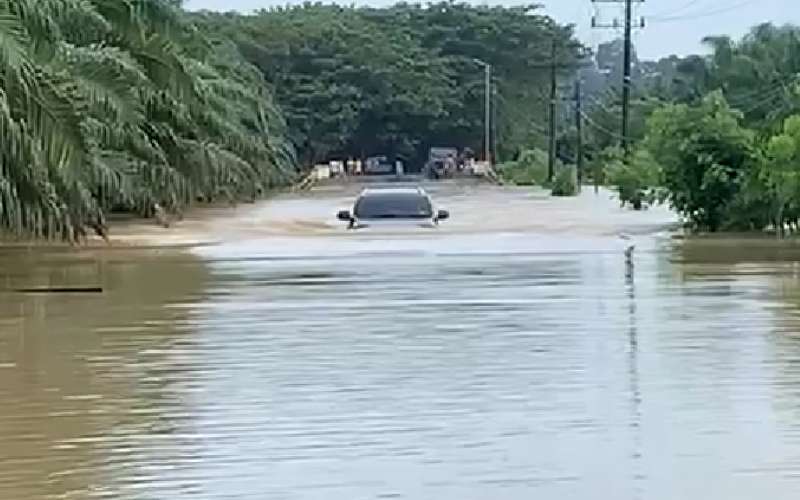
(685, 6)
(601, 128)
(539, 129)
(700, 15)
(777, 86)
(763, 102)
(599, 104)
(751, 103)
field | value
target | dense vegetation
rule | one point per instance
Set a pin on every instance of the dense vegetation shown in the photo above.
(360, 81)
(135, 104)
(125, 104)
(718, 137)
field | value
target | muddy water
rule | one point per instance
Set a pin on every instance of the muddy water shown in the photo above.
(509, 355)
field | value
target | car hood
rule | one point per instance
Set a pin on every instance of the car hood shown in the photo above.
(393, 224)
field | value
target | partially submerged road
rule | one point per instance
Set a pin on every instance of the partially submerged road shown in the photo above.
(512, 354)
(477, 209)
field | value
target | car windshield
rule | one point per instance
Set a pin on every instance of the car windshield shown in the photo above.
(393, 205)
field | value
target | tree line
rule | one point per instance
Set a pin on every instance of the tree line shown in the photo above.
(715, 136)
(718, 135)
(357, 81)
(138, 105)
(126, 105)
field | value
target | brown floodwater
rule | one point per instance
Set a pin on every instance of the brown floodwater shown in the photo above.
(510, 354)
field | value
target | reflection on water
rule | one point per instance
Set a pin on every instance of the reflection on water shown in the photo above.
(427, 371)
(83, 378)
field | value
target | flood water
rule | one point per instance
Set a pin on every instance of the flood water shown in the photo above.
(476, 362)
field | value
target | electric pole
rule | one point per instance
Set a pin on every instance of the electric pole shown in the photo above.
(495, 153)
(551, 161)
(488, 117)
(626, 78)
(577, 102)
(579, 130)
(554, 67)
(626, 63)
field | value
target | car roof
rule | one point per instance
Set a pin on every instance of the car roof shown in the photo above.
(393, 190)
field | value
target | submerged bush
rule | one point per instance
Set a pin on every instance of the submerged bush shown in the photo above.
(705, 154)
(528, 170)
(636, 180)
(565, 182)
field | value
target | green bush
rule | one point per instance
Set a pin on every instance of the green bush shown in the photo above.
(516, 174)
(752, 209)
(565, 182)
(706, 155)
(596, 173)
(529, 169)
(636, 181)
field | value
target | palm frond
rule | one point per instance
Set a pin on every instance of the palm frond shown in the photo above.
(125, 104)
(106, 77)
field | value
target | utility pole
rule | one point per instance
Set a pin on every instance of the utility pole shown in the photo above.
(554, 67)
(488, 117)
(626, 63)
(577, 102)
(551, 161)
(626, 78)
(494, 150)
(579, 130)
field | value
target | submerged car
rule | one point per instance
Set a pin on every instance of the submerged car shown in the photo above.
(409, 207)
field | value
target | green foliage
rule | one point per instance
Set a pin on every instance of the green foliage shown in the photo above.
(565, 182)
(124, 104)
(529, 169)
(705, 155)
(636, 181)
(398, 80)
(752, 208)
(603, 121)
(780, 171)
(601, 163)
(687, 114)
(758, 74)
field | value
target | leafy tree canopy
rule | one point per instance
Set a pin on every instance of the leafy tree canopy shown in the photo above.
(359, 81)
(705, 155)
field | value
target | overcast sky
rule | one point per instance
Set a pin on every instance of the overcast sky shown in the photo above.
(673, 26)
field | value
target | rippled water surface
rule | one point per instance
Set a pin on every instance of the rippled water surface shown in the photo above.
(465, 365)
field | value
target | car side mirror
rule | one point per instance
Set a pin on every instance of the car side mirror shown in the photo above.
(344, 215)
(442, 215)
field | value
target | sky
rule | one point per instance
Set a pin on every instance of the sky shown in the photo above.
(672, 26)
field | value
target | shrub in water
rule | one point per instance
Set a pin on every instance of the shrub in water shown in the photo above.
(635, 181)
(529, 169)
(565, 182)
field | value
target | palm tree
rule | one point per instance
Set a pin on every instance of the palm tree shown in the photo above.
(124, 104)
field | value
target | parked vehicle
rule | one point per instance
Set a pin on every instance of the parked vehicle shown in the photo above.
(409, 207)
(442, 162)
(379, 165)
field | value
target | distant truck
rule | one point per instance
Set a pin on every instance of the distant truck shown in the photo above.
(442, 162)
